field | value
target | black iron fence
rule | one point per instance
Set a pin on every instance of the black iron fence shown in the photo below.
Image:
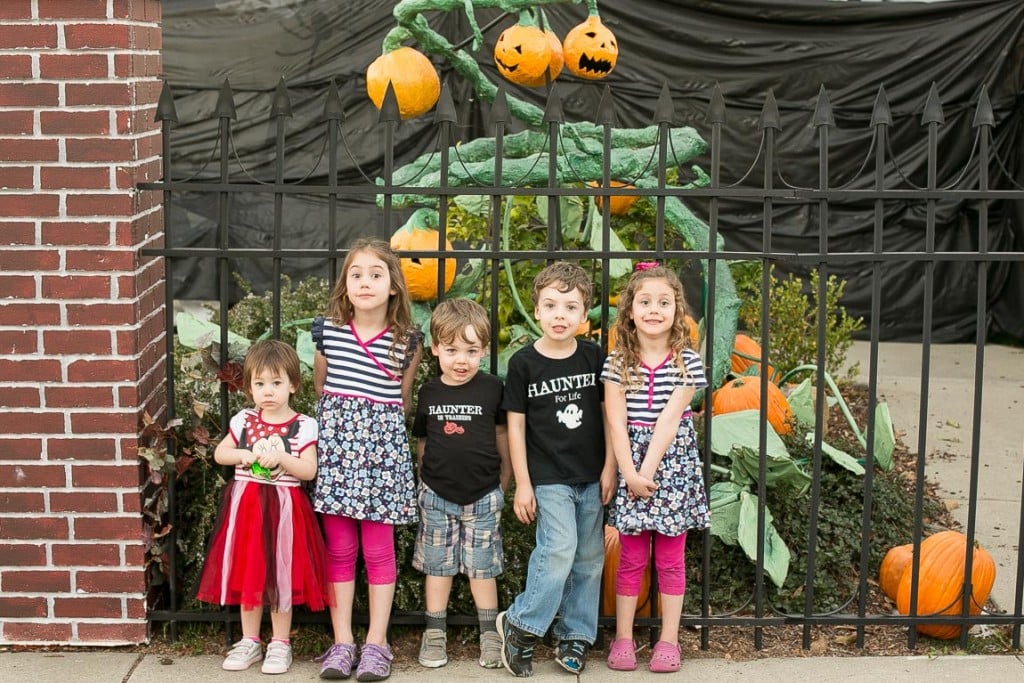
(557, 161)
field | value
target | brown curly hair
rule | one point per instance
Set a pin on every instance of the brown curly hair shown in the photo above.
(626, 359)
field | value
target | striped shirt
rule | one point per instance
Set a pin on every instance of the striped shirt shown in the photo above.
(645, 404)
(360, 367)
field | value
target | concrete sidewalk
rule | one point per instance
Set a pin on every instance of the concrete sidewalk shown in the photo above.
(112, 667)
(948, 429)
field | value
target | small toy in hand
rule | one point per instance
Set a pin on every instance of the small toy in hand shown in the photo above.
(260, 471)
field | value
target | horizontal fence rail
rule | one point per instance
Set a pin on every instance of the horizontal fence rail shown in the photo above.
(560, 159)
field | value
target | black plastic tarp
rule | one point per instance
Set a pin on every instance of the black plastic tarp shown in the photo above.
(748, 47)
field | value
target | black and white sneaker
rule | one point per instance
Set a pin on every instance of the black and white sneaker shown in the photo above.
(516, 648)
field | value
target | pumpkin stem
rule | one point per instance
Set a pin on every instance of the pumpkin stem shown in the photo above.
(394, 39)
(592, 8)
(528, 17)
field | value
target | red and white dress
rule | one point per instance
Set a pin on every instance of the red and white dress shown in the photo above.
(266, 548)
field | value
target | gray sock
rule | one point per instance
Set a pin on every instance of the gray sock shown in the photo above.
(486, 617)
(437, 619)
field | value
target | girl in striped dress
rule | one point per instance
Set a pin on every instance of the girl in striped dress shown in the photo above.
(266, 547)
(367, 351)
(649, 380)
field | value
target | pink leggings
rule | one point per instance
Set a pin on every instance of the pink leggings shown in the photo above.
(342, 535)
(669, 560)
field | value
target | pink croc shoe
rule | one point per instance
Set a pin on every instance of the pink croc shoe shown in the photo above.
(622, 655)
(664, 658)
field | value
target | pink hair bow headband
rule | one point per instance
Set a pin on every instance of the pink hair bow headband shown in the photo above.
(646, 265)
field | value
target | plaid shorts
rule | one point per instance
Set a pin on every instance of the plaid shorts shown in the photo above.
(459, 539)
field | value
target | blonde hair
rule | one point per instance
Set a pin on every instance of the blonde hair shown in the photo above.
(626, 361)
(451, 317)
(399, 315)
(569, 275)
(273, 355)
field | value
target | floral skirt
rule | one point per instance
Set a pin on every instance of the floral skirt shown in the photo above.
(680, 502)
(365, 464)
(266, 549)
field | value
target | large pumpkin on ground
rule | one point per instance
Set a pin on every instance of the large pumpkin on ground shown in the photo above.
(746, 353)
(940, 581)
(893, 565)
(523, 54)
(421, 273)
(590, 49)
(413, 77)
(744, 393)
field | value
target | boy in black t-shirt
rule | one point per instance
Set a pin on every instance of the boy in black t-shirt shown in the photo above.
(564, 476)
(464, 470)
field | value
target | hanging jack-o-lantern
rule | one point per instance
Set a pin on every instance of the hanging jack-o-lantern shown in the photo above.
(522, 54)
(554, 64)
(413, 77)
(590, 49)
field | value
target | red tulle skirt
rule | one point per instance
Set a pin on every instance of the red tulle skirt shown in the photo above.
(266, 550)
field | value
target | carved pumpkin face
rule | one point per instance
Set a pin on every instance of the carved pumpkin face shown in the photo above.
(522, 54)
(590, 49)
(413, 77)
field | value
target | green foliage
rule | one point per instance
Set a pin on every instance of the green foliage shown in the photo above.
(793, 317)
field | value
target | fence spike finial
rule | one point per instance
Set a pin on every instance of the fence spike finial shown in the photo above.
(165, 109)
(769, 113)
(606, 108)
(932, 107)
(823, 110)
(664, 110)
(445, 110)
(499, 108)
(880, 112)
(553, 108)
(389, 110)
(281, 106)
(984, 116)
(333, 111)
(225, 108)
(716, 107)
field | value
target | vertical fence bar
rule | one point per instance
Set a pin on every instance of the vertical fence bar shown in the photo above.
(716, 117)
(332, 115)
(445, 118)
(822, 121)
(390, 116)
(499, 116)
(279, 111)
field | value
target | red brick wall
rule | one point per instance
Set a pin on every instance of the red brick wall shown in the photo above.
(81, 314)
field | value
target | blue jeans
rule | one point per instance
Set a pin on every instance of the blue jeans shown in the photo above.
(564, 574)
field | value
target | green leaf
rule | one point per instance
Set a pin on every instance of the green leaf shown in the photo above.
(741, 428)
(776, 553)
(801, 401)
(841, 458)
(421, 319)
(725, 510)
(885, 439)
(474, 204)
(305, 347)
(195, 333)
(519, 337)
(467, 281)
(570, 213)
(617, 267)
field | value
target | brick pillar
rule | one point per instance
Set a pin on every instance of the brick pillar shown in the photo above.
(81, 314)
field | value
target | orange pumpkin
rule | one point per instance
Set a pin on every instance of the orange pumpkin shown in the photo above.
(524, 54)
(893, 564)
(555, 63)
(611, 565)
(421, 273)
(940, 581)
(413, 77)
(619, 203)
(590, 49)
(746, 353)
(744, 393)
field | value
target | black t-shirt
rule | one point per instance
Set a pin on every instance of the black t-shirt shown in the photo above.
(561, 399)
(460, 460)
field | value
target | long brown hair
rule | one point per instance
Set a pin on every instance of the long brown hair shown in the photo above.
(626, 362)
(399, 315)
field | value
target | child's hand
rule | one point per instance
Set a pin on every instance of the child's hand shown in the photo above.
(271, 459)
(609, 483)
(245, 457)
(640, 486)
(524, 504)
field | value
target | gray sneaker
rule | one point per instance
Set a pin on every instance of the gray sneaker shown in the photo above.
(242, 655)
(433, 648)
(278, 659)
(490, 650)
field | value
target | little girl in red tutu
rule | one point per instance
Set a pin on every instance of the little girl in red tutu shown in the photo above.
(266, 547)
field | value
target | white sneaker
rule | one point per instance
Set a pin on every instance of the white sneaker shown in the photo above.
(242, 655)
(278, 659)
